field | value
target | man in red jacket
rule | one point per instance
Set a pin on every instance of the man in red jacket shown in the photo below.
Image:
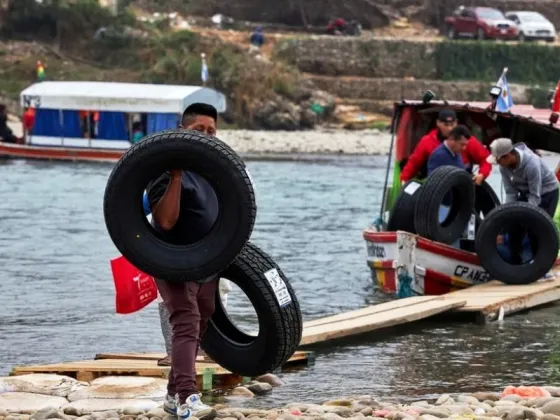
(474, 154)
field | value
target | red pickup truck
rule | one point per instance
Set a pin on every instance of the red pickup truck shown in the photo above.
(480, 23)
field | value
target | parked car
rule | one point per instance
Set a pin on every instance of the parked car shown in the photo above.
(533, 26)
(480, 23)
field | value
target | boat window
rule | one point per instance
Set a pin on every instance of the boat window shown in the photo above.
(89, 121)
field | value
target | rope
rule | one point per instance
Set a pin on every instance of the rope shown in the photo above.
(405, 285)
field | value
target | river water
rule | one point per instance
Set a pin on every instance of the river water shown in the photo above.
(57, 296)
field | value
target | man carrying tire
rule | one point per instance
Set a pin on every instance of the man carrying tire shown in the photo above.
(474, 153)
(526, 178)
(184, 208)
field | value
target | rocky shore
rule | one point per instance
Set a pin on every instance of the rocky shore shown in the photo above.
(321, 141)
(134, 398)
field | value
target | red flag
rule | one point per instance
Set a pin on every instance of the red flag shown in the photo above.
(134, 289)
(556, 100)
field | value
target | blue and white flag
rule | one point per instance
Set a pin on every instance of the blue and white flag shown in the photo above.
(204, 73)
(504, 101)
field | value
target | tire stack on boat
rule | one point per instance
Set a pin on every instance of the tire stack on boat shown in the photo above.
(417, 210)
(224, 251)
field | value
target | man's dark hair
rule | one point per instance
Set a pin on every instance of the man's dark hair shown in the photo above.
(199, 109)
(460, 131)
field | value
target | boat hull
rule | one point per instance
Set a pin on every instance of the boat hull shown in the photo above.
(408, 265)
(24, 151)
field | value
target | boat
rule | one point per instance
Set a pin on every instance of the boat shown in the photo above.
(93, 121)
(404, 264)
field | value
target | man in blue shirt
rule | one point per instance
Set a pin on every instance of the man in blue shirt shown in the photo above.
(184, 208)
(449, 152)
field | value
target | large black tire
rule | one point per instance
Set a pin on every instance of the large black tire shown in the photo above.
(401, 216)
(141, 244)
(537, 222)
(426, 218)
(280, 326)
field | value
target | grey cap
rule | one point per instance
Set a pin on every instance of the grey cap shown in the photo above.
(499, 148)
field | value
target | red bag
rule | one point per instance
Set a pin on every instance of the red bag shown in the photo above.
(134, 289)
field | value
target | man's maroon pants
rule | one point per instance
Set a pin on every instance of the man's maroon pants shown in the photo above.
(190, 306)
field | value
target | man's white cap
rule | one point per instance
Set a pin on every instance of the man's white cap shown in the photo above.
(499, 148)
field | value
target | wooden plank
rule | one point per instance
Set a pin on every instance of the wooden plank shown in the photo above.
(149, 367)
(298, 356)
(370, 310)
(373, 321)
(487, 299)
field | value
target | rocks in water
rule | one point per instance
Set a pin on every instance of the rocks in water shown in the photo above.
(260, 388)
(83, 407)
(132, 411)
(241, 391)
(270, 379)
(486, 396)
(49, 413)
(552, 407)
(156, 412)
(553, 390)
(542, 401)
(339, 403)
(433, 412)
(512, 397)
(445, 399)
(467, 399)
(40, 383)
(28, 403)
(209, 414)
(122, 387)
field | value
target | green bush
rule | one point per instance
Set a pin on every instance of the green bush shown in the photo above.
(484, 61)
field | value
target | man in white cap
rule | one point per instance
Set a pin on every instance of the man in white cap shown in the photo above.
(526, 178)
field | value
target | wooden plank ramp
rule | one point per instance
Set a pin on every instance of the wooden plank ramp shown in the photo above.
(376, 317)
(209, 375)
(487, 300)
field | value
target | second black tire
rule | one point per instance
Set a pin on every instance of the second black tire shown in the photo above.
(140, 244)
(277, 307)
(537, 222)
(444, 180)
(401, 216)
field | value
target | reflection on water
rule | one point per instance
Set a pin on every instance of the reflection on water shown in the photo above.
(57, 296)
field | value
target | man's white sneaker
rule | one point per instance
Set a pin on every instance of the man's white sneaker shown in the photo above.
(192, 406)
(170, 405)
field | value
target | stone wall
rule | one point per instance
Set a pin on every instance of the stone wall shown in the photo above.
(395, 89)
(334, 56)
(432, 60)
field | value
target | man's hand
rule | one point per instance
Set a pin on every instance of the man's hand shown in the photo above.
(176, 173)
(402, 183)
(478, 179)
